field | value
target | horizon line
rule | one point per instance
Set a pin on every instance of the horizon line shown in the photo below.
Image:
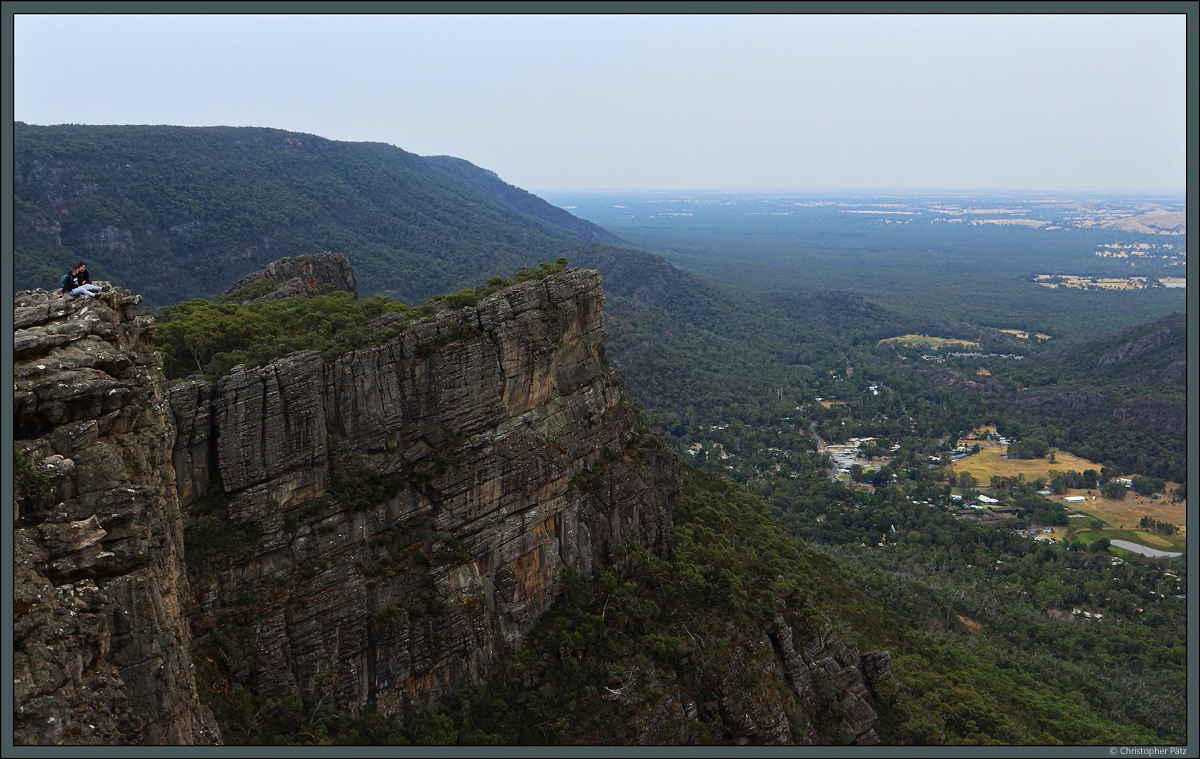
(857, 190)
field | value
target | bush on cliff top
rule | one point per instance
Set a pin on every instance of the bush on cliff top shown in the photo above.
(210, 338)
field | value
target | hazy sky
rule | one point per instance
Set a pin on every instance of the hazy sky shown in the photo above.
(655, 101)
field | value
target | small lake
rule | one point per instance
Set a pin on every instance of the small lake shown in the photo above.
(1143, 550)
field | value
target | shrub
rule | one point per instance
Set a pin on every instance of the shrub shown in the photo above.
(29, 481)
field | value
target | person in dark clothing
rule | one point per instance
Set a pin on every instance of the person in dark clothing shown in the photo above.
(77, 282)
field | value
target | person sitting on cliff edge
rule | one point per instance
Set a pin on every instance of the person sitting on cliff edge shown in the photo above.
(77, 282)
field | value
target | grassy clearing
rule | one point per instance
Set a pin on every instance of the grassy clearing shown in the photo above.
(1101, 283)
(991, 461)
(1141, 537)
(1128, 511)
(1025, 335)
(925, 341)
(1132, 508)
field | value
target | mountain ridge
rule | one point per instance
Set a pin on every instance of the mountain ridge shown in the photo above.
(180, 212)
(1154, 353)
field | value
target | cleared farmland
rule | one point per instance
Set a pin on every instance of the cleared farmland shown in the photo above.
(1120, 517)
(990, 461)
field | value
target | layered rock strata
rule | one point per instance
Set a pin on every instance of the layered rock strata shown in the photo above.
(835, 683)
(385, 526)
(379, 529)
(101, 642)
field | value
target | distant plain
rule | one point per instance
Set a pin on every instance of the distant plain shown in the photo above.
(940, 257)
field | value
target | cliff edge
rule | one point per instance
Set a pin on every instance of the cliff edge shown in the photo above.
(386, 525)
(101, 641)
(375, 530)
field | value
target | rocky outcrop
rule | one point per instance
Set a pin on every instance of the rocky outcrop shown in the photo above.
(1129, 351)
(1144, 355)
(963, 383)
(794, 683)
(1059, 402)
(1159, 356)
(390, 523)
(835, 684)
(101, 642)
(309, 274)
(1167, 416)
(379, 529)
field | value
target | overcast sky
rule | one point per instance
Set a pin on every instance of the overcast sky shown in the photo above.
(554, 102)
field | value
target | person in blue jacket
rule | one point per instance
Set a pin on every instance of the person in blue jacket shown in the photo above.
(77, 282)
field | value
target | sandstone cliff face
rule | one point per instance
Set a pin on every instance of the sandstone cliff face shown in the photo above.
(380, 529)
(391, 523)
(100, 637)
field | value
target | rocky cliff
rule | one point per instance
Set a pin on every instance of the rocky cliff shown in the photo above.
(794, 683)
(101, 642)
(385, 526)
(376, 530)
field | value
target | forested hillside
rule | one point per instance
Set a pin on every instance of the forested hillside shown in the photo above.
(1120, 398)
(1146, 355)
(176, 212)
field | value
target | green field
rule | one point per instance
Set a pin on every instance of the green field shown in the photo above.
(1142, 537)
